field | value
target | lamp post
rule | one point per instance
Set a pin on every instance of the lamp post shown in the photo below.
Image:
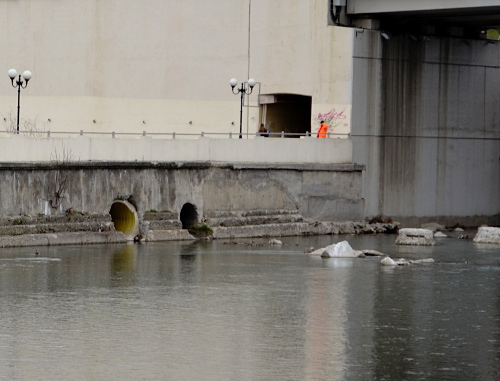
(19, 84)
(246, 88)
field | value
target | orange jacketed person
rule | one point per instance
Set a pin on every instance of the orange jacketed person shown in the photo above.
(322, 130)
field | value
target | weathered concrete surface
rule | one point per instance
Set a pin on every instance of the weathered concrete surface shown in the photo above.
(61, 230)
(417, 237)
(239, 200)
(252, 217)
(300, 228)
(66, 238)
(351, 227)
(91, 188)
(268, 230)
(67, 227)
(58, 230)
(168, 235)
(425, 122)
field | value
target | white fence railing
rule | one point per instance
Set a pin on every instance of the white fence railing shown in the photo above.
(169, 135)
(128, 147)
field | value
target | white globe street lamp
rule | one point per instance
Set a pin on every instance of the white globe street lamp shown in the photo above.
(12, 73)
(246, 88)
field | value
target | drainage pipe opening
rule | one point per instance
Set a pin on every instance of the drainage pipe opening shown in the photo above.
(189, 216)
(124, 217)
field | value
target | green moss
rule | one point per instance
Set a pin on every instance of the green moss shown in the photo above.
(203, 229)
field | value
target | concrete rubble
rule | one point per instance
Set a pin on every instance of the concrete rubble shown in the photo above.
(488, 234)
(417, 237)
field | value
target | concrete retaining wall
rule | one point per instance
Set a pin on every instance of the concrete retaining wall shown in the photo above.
(324, 192)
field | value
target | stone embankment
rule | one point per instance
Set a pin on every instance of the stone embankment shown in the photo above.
(76, 228)
(280, 223)
(162, 227)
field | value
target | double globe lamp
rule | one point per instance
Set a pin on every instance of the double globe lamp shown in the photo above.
(12, 73)
(246, 88)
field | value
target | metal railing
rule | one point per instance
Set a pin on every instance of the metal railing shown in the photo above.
(171, 135)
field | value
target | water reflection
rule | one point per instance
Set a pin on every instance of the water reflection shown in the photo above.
(214, 311)
(123, 264)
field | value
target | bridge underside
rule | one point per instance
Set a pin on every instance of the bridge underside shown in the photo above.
(462, 18)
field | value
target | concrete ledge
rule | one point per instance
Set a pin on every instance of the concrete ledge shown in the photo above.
(248, 213)
(342, 167)
(268, 230)
(351, 227)
(55, 219)
(15, 230)
(302, 228)
(165, 225)
(73, 238)
(161, 216)
(168, 235)
(254, 220)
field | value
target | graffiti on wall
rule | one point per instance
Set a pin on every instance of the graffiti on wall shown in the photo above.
(333, 117)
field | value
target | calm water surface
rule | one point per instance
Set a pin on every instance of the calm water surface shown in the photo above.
(218, 311)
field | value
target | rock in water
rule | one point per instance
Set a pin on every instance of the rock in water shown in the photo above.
(387, 261)
(417, 237)
(421, 261)
(487, 234)
(339, 250)
(373, 253)
(434, 226)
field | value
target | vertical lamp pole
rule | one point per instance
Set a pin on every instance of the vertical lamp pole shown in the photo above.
(19, 84)
(246, 88)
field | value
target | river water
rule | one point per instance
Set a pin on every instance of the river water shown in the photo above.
(250, 311)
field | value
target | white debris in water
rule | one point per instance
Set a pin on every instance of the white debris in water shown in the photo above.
(388, 261)
(340, 250)
(276, 242)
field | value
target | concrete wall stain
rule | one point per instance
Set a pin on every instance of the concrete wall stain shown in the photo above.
(26, 191)
(433, 154)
